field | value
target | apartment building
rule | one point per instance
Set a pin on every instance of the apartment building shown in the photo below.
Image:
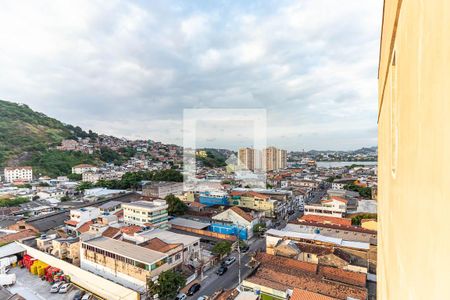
(146, 213)
(161, 189)
(121, 262)
(269, 159)
(18, 174)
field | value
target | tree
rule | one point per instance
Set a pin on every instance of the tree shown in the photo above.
(259, 228)
(176, 206)
(84, 186)
(167, 285)
(75, 177)
(65, 198)
(221, 248)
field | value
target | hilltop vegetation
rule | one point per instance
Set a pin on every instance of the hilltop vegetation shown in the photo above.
(28, 137)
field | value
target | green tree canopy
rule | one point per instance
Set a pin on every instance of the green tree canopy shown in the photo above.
(167, 285)
(221, 248)
(176, 206)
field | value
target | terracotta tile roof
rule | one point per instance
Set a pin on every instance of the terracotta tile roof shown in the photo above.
(17, 236)
(159, 245)
(249, 193)
(287, 278)
(85, 227)
(349, 277)
(132, 229)
(119, 214)
(111, 232)
(314, 249)
(242, 213)
(273, 260)
(71, 222)
(84, 166)
(195, 204)
(299, 294)
(326, 220)
(336, 198)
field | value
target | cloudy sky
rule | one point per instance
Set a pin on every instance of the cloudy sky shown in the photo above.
(130, 68)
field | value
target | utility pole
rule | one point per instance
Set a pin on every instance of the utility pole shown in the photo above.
(239, 258)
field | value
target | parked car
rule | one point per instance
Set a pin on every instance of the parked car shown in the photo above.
(203, 298)
(194, 289)
(55, 287)
(64, 288)
(181, 296)
(222, 270)
(78, 295)
(230, 260)
(245, 249)
(87, 296)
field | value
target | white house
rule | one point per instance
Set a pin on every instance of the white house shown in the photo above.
(238, 217)
(333, 207)
(80, 169)
(80, 216)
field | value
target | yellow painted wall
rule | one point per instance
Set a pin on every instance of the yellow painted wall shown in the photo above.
(414, 151)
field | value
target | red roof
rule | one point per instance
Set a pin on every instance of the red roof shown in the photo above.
(326, 220)
(111, 232)
(17, 236)
(242, 213)
(299, 294)
(248, 193)
(85, 227)
(132, 229)
(336, 198)
(71, 222)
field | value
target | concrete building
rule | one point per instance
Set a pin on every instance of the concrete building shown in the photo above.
(18, 174)
(146, 213)
(121, 262)
(234, 221)
(83, 168)
(259, 202)
(333, 207)
(161, 189)
(269, 159)
(414, 143)
(80, 216)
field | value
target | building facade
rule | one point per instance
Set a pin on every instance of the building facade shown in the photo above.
(161, 189)
(146, 213)
(18, 174)
(414, 143)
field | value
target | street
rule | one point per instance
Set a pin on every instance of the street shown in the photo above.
(229, 280)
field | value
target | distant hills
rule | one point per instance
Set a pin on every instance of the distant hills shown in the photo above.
(27, 135)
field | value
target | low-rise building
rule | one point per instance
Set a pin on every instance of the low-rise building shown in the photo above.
(146, 213)
(234, 221)
(259, 202)
(125, 263)
(161, 189)
(81, 216)
(83, 168)
(333, 207)
(13, 174)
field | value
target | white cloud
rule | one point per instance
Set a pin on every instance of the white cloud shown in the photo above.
(312, 64)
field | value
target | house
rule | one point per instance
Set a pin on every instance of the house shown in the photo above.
(234, 221)
(83, 168)
(334, 207)
(259, 202)
(162, 240)
(81, 216)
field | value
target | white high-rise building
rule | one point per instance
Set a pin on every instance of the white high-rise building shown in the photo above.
(18, 174)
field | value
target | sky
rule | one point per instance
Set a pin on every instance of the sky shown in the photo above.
(130, 68)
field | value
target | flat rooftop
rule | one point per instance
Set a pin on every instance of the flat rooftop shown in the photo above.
(188, 223)
(146, 204)
(170, 237)
(132, 251)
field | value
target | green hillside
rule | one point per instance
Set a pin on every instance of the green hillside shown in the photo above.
(27, 135)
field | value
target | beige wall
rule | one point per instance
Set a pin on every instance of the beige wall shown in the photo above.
(414, 151)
